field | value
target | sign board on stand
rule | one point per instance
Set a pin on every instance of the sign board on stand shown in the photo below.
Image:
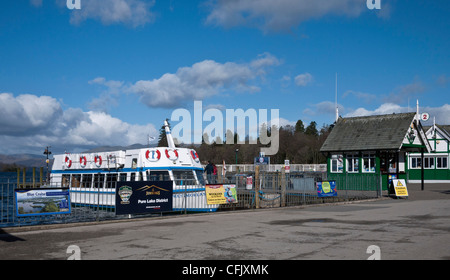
(400, 188)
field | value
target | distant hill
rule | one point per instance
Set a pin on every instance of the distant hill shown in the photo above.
(116, 148)
(10, 162)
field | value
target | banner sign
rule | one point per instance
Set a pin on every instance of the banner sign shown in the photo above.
(326, 188)
(249, 183)
(45, 201)
(221, 194)
(400, 187)
(262, 160)
(144, 197)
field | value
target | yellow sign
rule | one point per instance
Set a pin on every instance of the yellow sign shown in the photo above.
(214, 194)
(400, 187)
(220, 194)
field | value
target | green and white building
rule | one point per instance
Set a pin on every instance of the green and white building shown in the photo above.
(387, 147)
(436, 162)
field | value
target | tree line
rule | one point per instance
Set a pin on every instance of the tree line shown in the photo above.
(299, 144)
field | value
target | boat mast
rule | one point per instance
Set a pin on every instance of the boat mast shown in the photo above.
(170, 142)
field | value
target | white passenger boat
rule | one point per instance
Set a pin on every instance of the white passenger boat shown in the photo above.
(92, 177)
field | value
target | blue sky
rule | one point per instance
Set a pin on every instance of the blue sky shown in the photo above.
(111, 72)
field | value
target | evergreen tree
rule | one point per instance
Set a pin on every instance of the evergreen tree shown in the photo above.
(312, 129)
(299, 127)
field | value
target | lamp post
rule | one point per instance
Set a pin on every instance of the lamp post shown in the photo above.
(47, 152)
(237, 150)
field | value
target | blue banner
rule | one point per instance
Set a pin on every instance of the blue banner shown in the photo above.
(326, 188)
(32, 202)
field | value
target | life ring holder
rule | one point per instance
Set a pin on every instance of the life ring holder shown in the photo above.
(98, 160)
(68, 161)
(158, 155)
(175, 153)
(83, 161)
(194, 156)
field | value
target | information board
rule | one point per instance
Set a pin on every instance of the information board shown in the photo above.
(400, 188)
(45, 201)
(221, 194)
(326, 188)
(144, 197)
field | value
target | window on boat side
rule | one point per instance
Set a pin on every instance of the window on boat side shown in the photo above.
(186, 175)
(111, 180)
(65, 180)
(200, 178)
(99, 180)
(158, 176)
(123, 177)
(86, 181)
(76, 179)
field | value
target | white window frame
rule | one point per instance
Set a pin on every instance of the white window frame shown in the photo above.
(352, 163)
(369, 158)
(338, 161)
(442, 158)
(429, 162)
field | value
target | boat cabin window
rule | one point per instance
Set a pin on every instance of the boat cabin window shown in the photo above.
(86, 181)
(65, 181)
(99, 180)
(200, 178)
(134, 163)
(111, 180)
(179, 175)
(158, 175)
(76, 178)
(133, 177)
(123, 177)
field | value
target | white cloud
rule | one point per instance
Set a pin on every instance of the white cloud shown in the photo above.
(29, 122)
(27, 114)
(270, 15)
(303, 79)
(107, 98)
(364, 96)
(442, 114)
(324, 108)
(36, 3)
(405, 92)
(202, 80)
(131, 12)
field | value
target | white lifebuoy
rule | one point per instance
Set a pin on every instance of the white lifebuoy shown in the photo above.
(83, 161)
(68, 161)
(194, 156)
(153, 155)
(98, 160)
(172, 154)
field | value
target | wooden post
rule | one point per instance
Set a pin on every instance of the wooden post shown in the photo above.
(34, 177)
(24, 177)
(257, 186)
(41, 175)
(283, 188)
(18, 177)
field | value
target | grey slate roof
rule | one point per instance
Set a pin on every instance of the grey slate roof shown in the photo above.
(382, 132)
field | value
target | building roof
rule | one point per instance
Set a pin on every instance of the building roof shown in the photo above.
(382, 132)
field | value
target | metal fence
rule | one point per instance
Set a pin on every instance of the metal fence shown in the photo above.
(268, 189)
